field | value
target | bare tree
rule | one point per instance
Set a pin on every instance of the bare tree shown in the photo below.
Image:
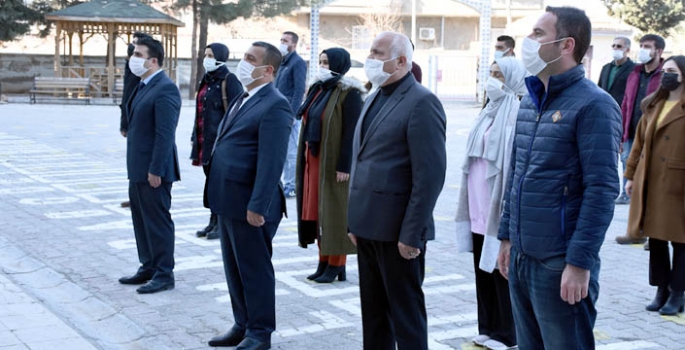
(383, 17)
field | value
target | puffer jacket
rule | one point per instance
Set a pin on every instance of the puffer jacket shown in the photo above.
(563, 179)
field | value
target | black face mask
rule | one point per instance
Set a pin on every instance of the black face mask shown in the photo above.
(669, 81)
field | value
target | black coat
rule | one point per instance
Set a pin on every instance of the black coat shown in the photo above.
(212, 110)
(618, 89)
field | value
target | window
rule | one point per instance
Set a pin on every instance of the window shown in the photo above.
(361, 38)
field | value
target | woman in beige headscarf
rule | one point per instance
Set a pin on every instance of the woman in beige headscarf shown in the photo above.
(483, 182)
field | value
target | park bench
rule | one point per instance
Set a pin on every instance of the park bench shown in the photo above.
(64, 89)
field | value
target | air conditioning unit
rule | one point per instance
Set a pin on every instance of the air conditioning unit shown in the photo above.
(427, 33)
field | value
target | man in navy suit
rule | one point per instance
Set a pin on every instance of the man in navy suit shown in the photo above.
(398, 170)
(245, 193)
(152, 164)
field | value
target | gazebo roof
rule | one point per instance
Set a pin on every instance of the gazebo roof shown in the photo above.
(113, 11)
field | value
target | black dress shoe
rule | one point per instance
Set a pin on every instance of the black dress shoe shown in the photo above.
(138, 278)
(154, 286)
(213, 234)
(253, 344)
(211, 226)
(232, 338)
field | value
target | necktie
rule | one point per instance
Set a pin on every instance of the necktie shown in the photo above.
(234, 111)
(141, 86)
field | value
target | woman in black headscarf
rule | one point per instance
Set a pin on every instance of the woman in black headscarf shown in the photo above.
(329, 116)
(217, 88)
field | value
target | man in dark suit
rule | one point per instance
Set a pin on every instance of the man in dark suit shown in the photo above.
(613, 79)
(245, 193)
(398, 170)
(130, 84)
(152, 163)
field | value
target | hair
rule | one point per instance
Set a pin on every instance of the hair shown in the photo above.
(509, 41)
(659, 42)
(141, 35)
(573, 23)
(400, 46)
(154, 48)
(293, 36)
(626, 41)
(272, 55)
(662, 94)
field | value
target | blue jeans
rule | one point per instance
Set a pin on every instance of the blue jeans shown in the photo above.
(291, 160)
(543, 320)
(627, 147)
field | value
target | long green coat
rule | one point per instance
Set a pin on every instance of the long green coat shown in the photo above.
(333, 195)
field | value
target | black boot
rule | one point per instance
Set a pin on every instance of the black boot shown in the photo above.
(659, 299)
(319, 270)
(210, 226)
(674, 304)
(331, 273)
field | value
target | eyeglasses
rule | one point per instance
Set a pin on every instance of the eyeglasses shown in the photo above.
(616, 46)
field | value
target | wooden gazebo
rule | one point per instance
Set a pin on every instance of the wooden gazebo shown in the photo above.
(112, 19)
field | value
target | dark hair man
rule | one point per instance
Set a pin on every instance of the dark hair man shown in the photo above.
(560, 194)
(505, 46)
(642, 81)
(245, 193)
(291, 82)
(152, 162)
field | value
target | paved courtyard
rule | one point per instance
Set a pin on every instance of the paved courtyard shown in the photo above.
(64, 242)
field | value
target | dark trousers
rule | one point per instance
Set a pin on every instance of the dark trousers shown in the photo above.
(660, 271)
(153, 228)
(543, 320)
(495, 317)
(393, 305)
(246, 251)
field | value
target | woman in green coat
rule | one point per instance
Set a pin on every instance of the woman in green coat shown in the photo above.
(324, 156)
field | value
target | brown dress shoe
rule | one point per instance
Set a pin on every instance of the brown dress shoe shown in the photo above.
(625, 239)
(126, 204)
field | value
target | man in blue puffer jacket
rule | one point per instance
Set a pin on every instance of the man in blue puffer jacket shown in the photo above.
(561, 188)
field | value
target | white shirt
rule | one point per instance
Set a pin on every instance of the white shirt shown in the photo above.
(253, 92)
(249, 96)
(147, 80)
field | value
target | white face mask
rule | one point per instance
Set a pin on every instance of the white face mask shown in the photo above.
(644, 56)
(245, 70)
(137, 66)
(283, 48)
(617, 54)
(500, 54)
(324, 74)
(211, 64)
(530, 55)
(494, 88)
(375, 73)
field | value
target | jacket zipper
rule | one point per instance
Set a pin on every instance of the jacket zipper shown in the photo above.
(563, 211)
(523, 177)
